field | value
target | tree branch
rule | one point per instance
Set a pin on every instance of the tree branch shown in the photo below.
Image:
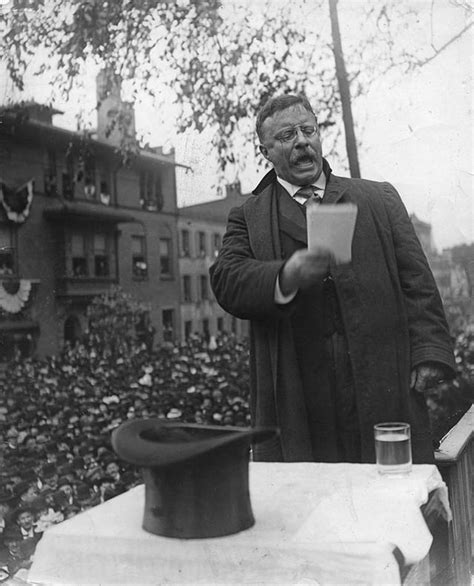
(421, 63)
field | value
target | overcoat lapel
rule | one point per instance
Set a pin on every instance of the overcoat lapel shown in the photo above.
(335, 189)
(261, 215)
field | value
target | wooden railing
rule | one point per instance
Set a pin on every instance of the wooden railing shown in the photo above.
(455, 460)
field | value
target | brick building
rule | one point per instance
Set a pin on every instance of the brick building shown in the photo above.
(74, 221)
(201, 228)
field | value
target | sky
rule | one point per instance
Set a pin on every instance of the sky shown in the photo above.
(420, 137)
(415, 131)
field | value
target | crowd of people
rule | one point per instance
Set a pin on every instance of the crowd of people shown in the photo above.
(57, 415)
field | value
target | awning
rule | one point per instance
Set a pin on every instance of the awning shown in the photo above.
(16, 326)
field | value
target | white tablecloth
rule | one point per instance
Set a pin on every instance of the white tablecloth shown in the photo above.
(315, 524)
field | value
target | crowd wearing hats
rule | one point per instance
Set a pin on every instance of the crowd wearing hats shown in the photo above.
(57, 415)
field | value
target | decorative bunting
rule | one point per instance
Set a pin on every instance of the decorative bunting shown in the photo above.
(14, 295)
(17, 202)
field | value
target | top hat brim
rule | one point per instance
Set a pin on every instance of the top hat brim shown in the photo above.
(156, 442)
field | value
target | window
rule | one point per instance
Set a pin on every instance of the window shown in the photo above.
(216, 241)
(139, 260)
(185, 248)
(104, 189)
(79, 258)
(201, 244)
(68, 177)
(101, 259)
(16, 343)
(7, 251)
(151, 195)
(158, 193)
(167, 316)
(50, 174)
(165, 257)
(220, 324)
(72, 330)
(204, 287)
(187, 295)
(205, 328)
(89, 177)
(90, 254)
(188, 329)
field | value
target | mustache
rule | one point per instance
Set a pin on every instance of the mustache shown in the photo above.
(303, 157)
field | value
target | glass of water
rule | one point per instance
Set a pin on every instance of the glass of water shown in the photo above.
(392, 447)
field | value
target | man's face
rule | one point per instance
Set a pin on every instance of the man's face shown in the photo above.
(298, 161)
(25, 520)
(105, 487)
(52, 481)
(66, 489)
(4, 510)
(112, 469)
(29, 495)
(13, 546)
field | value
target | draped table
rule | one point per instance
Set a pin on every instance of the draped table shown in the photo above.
(315, 524)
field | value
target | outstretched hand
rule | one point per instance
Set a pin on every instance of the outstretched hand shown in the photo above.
(426, 375)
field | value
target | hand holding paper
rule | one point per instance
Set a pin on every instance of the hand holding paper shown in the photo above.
(332, 227)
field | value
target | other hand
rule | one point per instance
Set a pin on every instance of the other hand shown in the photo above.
(426, 375)
(304, 268)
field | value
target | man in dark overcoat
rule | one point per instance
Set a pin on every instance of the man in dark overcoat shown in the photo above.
(334, 348)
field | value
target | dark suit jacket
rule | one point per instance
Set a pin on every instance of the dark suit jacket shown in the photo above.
(392, 314)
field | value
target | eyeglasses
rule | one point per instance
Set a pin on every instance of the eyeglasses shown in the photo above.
(291, 133)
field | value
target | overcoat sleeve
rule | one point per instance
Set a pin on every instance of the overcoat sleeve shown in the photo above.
(243, 283)
(428, 329)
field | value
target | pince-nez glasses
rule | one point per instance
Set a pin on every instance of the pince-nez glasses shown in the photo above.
(291, 133)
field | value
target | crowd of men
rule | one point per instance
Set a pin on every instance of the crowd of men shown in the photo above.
(57, 415)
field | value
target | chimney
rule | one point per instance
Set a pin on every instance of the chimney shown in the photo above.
(35, 111)
(233, 189)
(115, 118)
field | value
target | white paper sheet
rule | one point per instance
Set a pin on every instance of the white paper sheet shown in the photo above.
(332, 226)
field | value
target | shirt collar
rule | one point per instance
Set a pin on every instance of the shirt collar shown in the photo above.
(320, 183)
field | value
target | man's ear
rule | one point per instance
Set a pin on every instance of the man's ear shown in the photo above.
(264, 151)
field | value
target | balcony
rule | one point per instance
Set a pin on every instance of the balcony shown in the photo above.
(83, 288)
(86, 211)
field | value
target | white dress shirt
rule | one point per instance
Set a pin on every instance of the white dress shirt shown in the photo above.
(320, 185)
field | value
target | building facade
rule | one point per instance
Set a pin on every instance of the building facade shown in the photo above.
(76, 220)
(201, 228)
(450, 276)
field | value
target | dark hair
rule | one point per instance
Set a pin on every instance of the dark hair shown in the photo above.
(20, 510)
(277, 104)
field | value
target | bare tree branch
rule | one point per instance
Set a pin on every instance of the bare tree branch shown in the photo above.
(423, 62)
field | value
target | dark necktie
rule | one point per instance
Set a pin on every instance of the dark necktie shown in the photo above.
(309, 192)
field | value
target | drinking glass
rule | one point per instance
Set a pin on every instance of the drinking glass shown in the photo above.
(392, 447)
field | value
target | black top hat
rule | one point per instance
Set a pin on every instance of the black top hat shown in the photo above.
(196, 476)
(21, 488)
